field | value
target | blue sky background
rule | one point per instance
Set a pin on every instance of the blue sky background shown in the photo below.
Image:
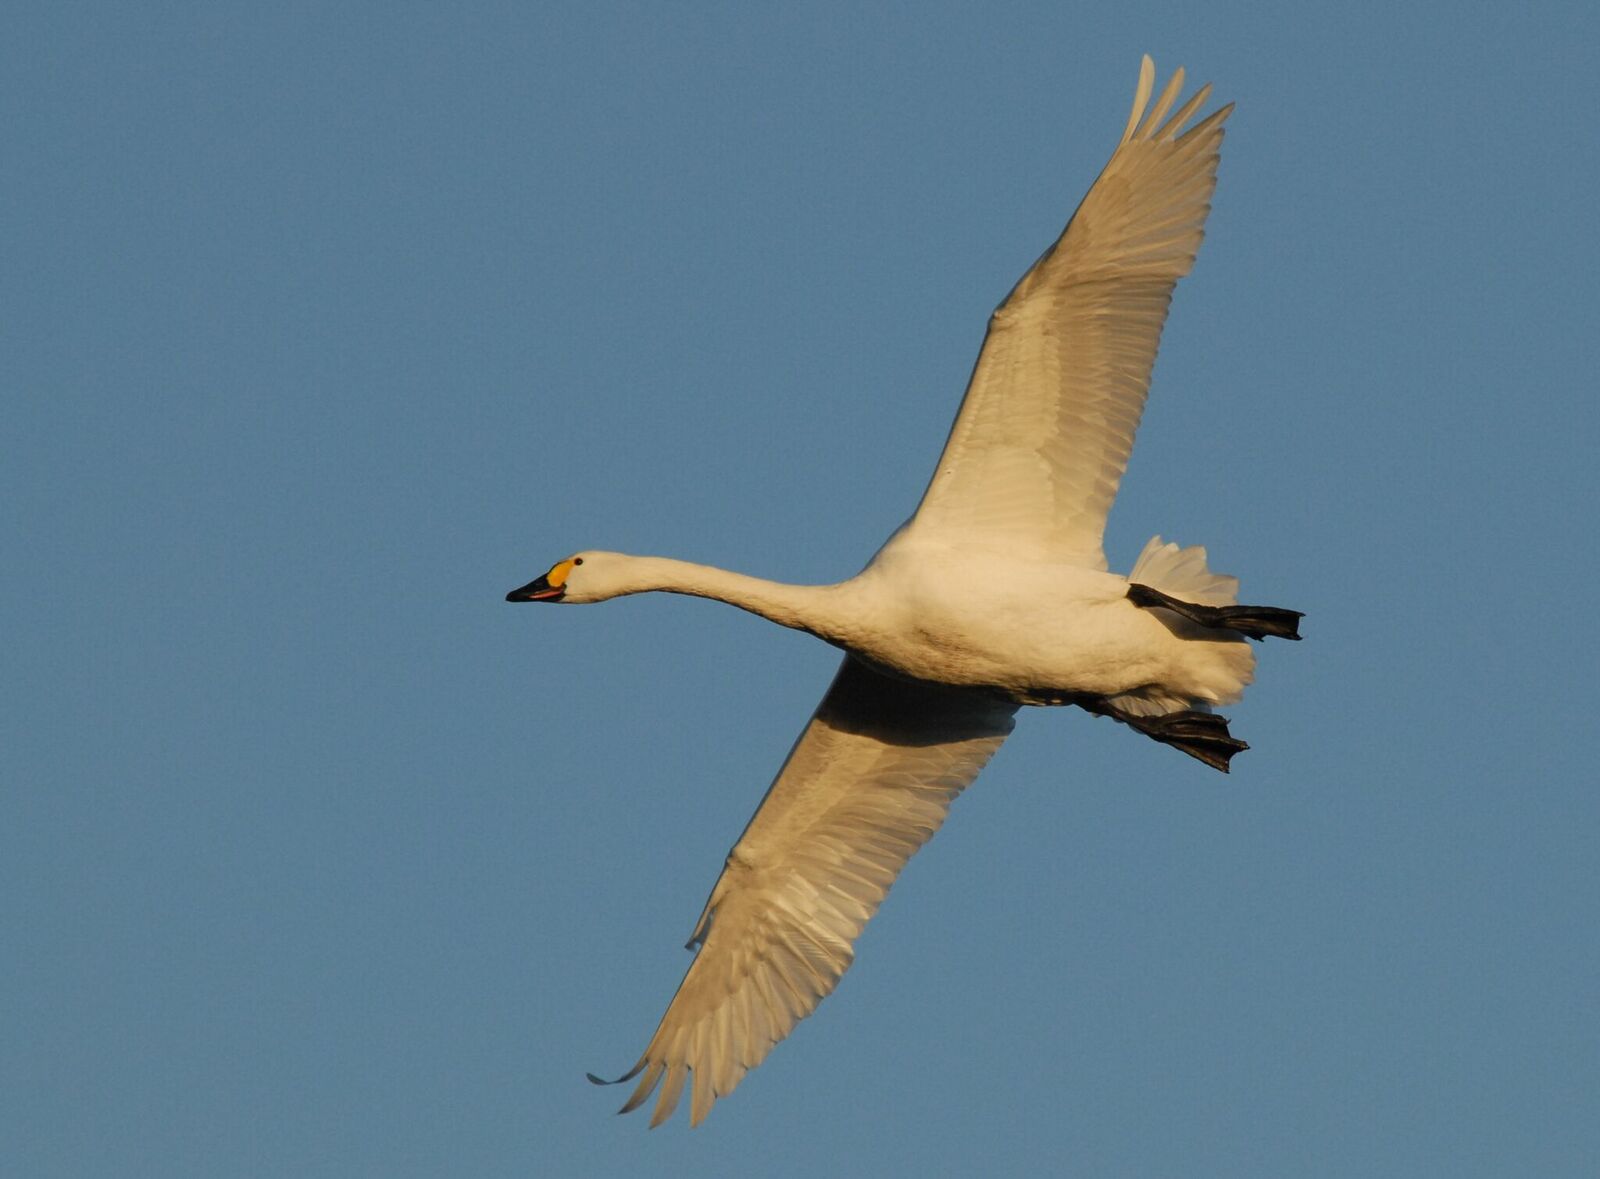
(327, 325)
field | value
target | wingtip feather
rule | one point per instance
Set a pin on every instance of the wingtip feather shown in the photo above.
(627, 1076)
(646, 1086)
(1214, 119)
(671, 1091)
(701, 1096)
(1169, 95)
(1184, 113)
(1141, 96)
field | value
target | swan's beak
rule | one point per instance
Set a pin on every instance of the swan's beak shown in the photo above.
(537, 590)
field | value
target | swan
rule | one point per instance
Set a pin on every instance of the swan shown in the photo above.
(994, 595)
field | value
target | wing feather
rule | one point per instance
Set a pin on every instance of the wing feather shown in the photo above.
(1042, 438)
(868, 782)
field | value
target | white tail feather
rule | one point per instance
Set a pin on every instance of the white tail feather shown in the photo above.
(1183, 574)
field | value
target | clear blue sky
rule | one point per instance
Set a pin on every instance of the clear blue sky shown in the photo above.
(327, 325)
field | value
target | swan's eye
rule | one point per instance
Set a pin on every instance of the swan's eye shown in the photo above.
(577, 560)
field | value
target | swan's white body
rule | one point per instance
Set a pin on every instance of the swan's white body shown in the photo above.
(968, 617)
(995, 594)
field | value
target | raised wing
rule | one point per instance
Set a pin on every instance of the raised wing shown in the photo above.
(1042, 438)
(868, 782)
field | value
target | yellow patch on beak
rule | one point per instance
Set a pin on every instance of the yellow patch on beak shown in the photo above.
(557, 577)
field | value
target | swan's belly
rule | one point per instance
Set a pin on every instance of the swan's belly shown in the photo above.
(1085, 637)
(1088, 658)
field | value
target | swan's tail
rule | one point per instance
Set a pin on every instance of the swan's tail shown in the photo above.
(1182, 573)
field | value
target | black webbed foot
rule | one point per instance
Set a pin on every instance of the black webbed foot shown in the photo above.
(1202, 735)
(1199, 734)
(1256, 622)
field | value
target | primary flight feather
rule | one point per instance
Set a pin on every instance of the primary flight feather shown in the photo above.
(934, 672)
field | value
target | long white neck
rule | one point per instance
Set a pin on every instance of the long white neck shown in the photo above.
(819, 609)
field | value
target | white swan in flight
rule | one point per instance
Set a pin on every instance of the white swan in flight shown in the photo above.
(993, 595)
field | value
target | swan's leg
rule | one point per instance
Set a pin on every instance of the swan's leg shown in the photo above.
(1202, 735)
(1256, 622)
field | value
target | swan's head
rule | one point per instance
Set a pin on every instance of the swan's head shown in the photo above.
(582, 577)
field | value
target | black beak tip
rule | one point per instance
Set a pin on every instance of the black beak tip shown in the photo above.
(537, 590)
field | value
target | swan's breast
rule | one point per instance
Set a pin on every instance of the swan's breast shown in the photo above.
(968, 621)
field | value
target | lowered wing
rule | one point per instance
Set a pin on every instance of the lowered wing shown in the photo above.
(868, 782)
